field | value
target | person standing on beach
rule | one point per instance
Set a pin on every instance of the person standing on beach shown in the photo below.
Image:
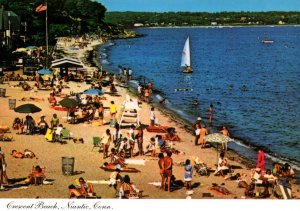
(105, 141)
(131, 138)
(113, 110)
(161, 170)
(152, 117)
(261, 160)
(188, 174)
(203, 132)
(140, 139)
(211, 110)
(146, 95)
(129, 73)
(101, 114)
(197, 133)
(167, 169)
(225, 132)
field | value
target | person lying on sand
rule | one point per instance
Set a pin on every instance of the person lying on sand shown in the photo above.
(29, 154)
(17, 154)
(220, 188)
(111, 167)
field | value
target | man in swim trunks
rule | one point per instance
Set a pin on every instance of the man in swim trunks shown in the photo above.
(168, 163)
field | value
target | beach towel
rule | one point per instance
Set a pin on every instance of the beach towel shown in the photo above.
(135, 161)
(99, 182)
(157, 184)
(157, 129)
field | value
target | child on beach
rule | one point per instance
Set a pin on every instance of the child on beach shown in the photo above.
(152, 117)
(105, 141)
(188, 174)
(131, 137)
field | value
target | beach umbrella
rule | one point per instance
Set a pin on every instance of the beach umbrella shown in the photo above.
(218, 138)
(44, 71)
(68, 103)
(27, 108)
(31, 47)
(93, 92)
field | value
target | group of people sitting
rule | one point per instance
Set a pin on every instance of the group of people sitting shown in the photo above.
(30, 126)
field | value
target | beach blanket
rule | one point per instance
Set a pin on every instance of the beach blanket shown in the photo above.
(136, 161)
(59, 108)
(99, 182)
(157, 129)
(157, 184)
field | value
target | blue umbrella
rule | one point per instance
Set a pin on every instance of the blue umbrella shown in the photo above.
(31, 47)
(93, 92)
(44, 72)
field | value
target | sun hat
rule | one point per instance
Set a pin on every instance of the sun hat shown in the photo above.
(199, 118)
(257, 169)
(42, 115)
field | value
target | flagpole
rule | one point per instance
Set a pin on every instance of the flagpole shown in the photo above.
(47, 49)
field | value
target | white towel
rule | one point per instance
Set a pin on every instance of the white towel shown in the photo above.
(135, 161)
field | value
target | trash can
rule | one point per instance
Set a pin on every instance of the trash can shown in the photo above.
(2, 92)
(68, 165)
(12, 104)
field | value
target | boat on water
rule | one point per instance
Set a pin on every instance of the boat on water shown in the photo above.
(186, 57)
(267, 41)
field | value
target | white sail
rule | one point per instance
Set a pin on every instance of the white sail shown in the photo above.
(186, 54)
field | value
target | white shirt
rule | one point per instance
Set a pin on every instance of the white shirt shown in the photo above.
(197, 132)
(152, 115)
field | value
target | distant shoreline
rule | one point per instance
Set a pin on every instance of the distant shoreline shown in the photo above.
(218, 26)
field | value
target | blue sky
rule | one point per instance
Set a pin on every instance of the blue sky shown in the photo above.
(201, 5)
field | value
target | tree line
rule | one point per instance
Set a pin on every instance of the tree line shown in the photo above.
(128, 19)
(65, 18)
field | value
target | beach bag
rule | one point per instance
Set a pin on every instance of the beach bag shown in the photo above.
(49, 134)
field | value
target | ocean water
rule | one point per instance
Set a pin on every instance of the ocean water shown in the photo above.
(254, 87)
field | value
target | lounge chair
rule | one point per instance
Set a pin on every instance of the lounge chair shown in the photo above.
(66, 134)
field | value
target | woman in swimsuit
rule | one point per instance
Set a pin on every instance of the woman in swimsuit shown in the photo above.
(140, 138)
(101, 114)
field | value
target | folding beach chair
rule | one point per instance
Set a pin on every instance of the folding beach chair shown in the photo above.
(96, 143)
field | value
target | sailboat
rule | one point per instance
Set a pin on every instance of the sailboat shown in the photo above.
(186, 57)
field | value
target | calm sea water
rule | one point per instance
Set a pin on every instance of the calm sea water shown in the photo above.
(254, 87)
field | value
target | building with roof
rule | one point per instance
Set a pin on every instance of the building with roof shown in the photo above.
(10, 24)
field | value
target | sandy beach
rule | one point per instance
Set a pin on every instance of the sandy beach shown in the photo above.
(88, 161)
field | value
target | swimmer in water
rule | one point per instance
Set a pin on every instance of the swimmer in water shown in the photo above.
(196, 103)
